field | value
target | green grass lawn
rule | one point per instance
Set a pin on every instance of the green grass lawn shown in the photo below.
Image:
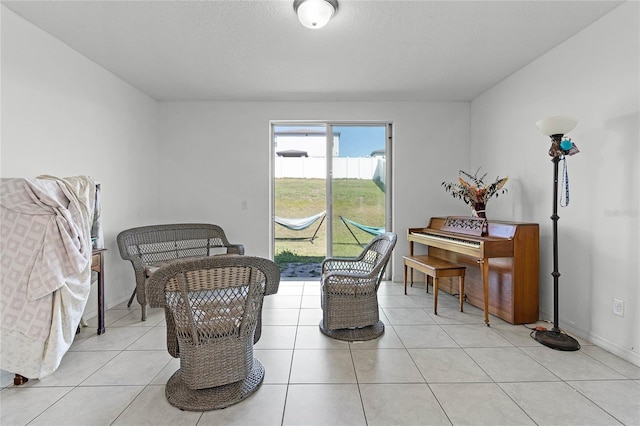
(360, 200)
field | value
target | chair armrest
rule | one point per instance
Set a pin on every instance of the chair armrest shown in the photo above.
(138, 269)
(346, 265)
(235, 249)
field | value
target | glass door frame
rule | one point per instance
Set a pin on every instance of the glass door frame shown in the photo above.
(329, 125)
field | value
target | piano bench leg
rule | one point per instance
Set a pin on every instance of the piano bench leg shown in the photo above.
(461, 290)
(435, 294)
(405, 278)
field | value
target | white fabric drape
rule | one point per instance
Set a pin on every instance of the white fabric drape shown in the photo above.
(45, 269)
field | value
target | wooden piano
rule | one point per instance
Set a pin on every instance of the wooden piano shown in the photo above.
(502, 260)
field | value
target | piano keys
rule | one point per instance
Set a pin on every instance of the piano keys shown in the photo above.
(502, 260)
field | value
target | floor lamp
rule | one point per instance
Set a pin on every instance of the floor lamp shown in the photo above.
(556, 127)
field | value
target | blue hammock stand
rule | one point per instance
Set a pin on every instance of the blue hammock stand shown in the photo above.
(298, 224)
(371, 230)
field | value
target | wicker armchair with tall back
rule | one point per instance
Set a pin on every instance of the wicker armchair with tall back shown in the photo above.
(213, 307)
(149, 247)
(349, 291)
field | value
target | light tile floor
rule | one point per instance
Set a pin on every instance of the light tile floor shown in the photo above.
(426, 369)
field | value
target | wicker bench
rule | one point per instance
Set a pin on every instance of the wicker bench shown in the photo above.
(435, 268)
(150, 247)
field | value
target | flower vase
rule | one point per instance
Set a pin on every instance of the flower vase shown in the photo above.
(478, 210)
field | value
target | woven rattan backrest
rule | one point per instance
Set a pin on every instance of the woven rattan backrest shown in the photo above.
(220, 302)
(376, 254)
(159, 243)
(214, 297)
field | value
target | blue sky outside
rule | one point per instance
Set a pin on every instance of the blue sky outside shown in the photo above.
(360, 141)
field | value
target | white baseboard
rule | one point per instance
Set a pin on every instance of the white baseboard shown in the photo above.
(624, 353)
(601, 342)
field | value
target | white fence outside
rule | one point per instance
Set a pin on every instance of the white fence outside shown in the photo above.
(373, 168)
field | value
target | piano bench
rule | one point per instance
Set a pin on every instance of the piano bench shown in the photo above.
(435, 268)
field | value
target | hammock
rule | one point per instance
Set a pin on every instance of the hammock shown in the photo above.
(371, 230)
(298, 224)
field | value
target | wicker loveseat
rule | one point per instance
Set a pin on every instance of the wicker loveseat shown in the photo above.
(150, 247)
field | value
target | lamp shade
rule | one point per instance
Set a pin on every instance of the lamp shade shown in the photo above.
(557, 125)
(315, 14)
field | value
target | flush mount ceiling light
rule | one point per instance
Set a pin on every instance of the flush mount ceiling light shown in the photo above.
(315, 14)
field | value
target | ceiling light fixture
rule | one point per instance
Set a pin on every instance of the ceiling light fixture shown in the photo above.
(315, 14)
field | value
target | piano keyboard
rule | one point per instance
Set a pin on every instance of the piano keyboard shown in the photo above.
(468, 243)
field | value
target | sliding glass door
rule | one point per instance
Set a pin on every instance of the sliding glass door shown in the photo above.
(299, 199)
(330, 192)
(358, 186)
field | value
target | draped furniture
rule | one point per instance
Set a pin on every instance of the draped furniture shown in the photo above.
(149, 247)
(213, 307)
(349, 291)
(45, 276)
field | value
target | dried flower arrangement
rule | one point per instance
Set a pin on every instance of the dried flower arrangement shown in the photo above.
(476, 192)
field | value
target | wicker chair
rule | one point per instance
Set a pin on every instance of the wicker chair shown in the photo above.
(149, 247)
(349, 289)
(213, 307)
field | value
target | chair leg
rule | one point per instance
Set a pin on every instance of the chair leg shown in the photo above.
(144, 307)
(131, 298)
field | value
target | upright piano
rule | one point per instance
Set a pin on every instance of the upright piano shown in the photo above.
(502, 260)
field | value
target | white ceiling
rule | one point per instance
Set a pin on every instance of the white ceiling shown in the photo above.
(371, 50)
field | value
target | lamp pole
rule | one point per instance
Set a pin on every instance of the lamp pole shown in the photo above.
(554, 338)
(554, 218)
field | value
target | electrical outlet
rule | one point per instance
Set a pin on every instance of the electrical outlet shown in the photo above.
(618, 307)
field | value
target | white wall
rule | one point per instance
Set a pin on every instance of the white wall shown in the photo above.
(594, 76)
(215, 155)
(64, 115)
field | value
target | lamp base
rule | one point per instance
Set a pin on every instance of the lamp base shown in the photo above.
(556, 340)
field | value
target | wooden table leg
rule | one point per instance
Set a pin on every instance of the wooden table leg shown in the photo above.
(97, 265)
(19, 380)
(101, 328)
